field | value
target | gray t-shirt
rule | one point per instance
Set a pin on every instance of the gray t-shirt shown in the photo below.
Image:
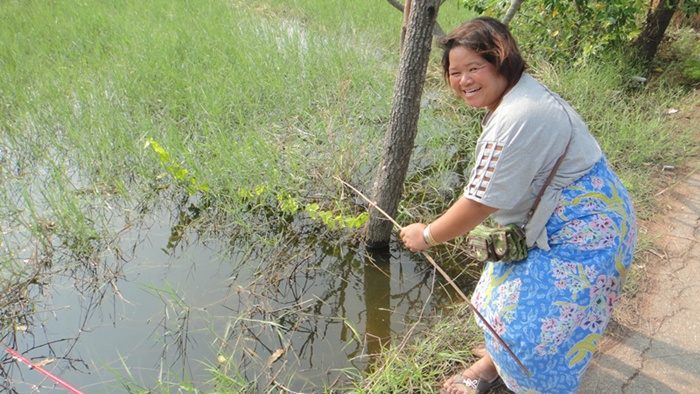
(520, 143)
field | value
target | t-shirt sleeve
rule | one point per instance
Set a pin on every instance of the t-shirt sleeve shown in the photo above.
(520, 143)
(502, 174)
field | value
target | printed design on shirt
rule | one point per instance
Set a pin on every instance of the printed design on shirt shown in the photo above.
(483, 171)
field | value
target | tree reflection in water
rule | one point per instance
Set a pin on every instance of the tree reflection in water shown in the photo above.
(174, 293)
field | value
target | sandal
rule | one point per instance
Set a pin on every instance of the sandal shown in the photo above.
(483, 386)
(479, 386)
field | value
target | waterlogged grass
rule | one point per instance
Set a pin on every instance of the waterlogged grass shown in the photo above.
(423, 361)
(248, 110)
(241, 95)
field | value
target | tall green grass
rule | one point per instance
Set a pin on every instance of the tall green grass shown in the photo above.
(277, 97)
(624, 116)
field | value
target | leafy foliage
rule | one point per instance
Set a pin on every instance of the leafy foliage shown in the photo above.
(179, 173)
(336, 220)
(690, 7)
(692, 71)
(569, 31)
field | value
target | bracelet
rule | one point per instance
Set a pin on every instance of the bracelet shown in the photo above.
(428, 236)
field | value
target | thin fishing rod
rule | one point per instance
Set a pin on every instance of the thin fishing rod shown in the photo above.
(447, 277)
(46, 373)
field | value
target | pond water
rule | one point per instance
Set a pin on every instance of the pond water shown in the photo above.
(181, 304)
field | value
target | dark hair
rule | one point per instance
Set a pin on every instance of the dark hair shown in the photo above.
(490, 39)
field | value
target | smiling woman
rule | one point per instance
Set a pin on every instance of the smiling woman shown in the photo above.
(474, 79)
(552, 307)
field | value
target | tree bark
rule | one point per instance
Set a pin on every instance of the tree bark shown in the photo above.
(655, 28)
(403, 122)
(512, 10)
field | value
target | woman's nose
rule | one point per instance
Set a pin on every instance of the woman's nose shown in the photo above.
(465, 79)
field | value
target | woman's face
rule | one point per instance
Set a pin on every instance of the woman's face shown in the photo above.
(474, 79)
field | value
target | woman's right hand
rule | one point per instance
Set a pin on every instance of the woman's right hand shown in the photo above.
(463, 215)
(412, 237)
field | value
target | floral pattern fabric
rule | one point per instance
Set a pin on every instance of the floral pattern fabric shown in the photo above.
(552, 308)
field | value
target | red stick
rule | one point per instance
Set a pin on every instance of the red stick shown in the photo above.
(42, 370)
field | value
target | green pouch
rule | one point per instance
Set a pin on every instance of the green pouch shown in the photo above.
(505, 244)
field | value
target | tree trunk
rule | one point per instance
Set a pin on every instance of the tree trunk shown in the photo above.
(403, 122)
(437, 30)
(654, 29)
(512, 10)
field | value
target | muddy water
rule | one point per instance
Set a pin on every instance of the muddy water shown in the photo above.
(182, 304)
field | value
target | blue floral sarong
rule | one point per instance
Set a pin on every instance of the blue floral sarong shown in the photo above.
(552, 308)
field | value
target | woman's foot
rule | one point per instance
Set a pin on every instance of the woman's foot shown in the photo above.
(478, 378)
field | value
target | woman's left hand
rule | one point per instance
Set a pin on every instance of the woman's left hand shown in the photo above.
(412, 237)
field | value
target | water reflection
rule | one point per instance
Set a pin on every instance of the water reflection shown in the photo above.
(181, 301)
(377, 285)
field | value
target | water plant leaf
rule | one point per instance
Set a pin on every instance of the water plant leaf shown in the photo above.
(44, 362)
(274, 357)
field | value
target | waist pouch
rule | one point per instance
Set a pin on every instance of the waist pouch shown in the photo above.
(506, 244)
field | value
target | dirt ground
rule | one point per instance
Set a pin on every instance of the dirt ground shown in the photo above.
(653, 344)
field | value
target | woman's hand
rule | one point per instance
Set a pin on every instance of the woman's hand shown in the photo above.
(412, 237)
(462, 216)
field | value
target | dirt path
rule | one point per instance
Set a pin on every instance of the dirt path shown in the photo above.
(655, 346)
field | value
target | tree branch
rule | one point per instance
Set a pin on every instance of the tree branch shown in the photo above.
(396, 4)
(437, 30)
(512, 10)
